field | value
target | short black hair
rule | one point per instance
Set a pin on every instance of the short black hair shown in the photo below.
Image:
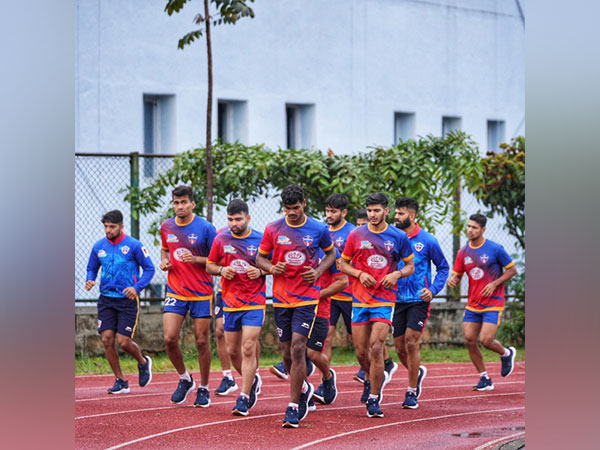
(337, 201)
(237, 205)
(408, 203)
(377, 199)
(114, 216)
(184, 191)
(292, 194)
(479, 218)
(361, 214)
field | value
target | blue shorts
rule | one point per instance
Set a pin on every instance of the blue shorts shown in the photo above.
(235, 320)
(483, 316)
(343, 308)
(294, 320)
(118, 314)
(318, 335)
(363, 316)
(219, 305)
(198, 308)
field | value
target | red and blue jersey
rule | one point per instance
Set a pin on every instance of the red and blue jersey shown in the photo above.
(328, 277)
(483, 265)
(298, 245)
(240, 293)
(378, 254)
(426, 250)
(188, 281)
(339, 236)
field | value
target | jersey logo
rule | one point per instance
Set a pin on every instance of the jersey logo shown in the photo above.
(172, 238)
(101, 254)
(339, 242)
(295, 258)
(389, 245)
(251, 250)
(377, 261)
(239, 265)
(125, 249)
(308, 239)
(283, 240)
(366, 244)
(177, 254)
(192, 238)
(419, 246)
(484, 258)
(145, 252)
(468, 260)
(229, 249)
(476, 273)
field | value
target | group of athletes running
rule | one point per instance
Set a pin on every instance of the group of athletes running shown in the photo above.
(375, 276)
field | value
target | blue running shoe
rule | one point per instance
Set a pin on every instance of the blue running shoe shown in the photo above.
(366, 391)
(254, 391)
(202, 398)
(330, 388)
(318, 394)
(291, 418)
(373, 409)
(311, 404)
(120, 387)
(145, 371)
(485, 384)
(279, 371)
(508, 362)
(420, 378)
(410, 401)
(390, 367)
(241, 406)
(227, 386)
(303, 402)
(183, 390)
(359, 376)
(310, 367)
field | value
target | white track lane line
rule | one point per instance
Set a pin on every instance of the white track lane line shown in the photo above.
(496, 441)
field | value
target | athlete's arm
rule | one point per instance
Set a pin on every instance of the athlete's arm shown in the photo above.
(442, 271)
(390, 281)
(489, 288)
(142, 258)
(365, 278)
(165, 260)
(341, 282)
(457, 271)
(266, 265)
(189, 258)
(92, 270)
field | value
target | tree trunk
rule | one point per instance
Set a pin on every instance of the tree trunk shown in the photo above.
(209, 159)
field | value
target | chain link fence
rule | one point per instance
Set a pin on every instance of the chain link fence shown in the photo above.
(100, 183)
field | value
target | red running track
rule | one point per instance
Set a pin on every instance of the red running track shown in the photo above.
(450, 414)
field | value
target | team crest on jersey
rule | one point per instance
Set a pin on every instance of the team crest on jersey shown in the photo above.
(172, 238)
(251, 250)
(192, 238)
(101, 254)
(389, 245)
(468, 260)
(125, 249)
(419, 246)
(283, 240)
(484, 258)
(366, 244)
(229, 249)
(308, 239)
(339, 242)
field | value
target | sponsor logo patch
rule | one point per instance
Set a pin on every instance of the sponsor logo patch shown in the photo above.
(476, 273)
(389, 245)
(251, 250)
(145, 252)
(468, 260)
(192, 238)
(125, 249)
(172, 238)
(377, 261)
(419, 246)
(308, 239)
(279, 332)
(484, 258)
(101, 254)
(319, 344)
(99, 323)
(283, 240)
(305, 325)
(420, 323)
(366, 244)
(217, 309)
(239, 265)
(229, 249)
(295, 258)
(127, 328)
(339, 242)
(177, 254)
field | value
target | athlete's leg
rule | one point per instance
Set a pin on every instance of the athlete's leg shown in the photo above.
(298, 366)
(286, 354)
(130, 347)
(321, 361)
(328, 350)
(400, 345)
(412, 340)
(471, 331)
(361, 335)
(222, 348)
(487, 338)
(172, 328)
(201, 332)
(379, 331)
(249, 356)
(234, 346)
(108, 340)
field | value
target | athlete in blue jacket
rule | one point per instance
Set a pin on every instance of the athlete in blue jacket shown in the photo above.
(414, 296)
(120, 257)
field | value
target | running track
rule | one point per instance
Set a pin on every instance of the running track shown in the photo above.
(450, 414)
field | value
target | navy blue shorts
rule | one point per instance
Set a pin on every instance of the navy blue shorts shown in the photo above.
(318, 335)
(219, 305)
(410, 315)
(199, 309)
(118, 314)
(294, 320)
(343, 308)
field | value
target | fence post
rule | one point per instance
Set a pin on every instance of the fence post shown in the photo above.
(455, 292)
(134, 161)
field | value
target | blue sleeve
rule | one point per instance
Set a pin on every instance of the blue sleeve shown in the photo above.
(93, 265)
(503, 258)
(211, 233)
(142, 258)
(335, 267)
(405, 248)
(325, 242)
(441, 265)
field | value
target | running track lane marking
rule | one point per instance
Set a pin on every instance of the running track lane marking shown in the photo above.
(191, 427)
(91, 416)
(318, 441)
(495, 441)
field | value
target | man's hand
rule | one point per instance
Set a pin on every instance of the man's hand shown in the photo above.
(453, 280)
(89, 284)
(390, 280)
(426, 295)
(279, 268)
(310, 276)
(165, 265)
(188, 257)
(489, 289)
(228, 272)
(253, 272)
(130, 293)
(366, 279)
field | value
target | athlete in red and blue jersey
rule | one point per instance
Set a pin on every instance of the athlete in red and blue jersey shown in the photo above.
(294, 242)
(371, 257)
(484, 261)
(233, 257)
(186, 241)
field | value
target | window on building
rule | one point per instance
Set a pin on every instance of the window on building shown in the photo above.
(495, 132)
(450, 124)
(300, 124)
(159, 128)
(404, 126)
(232, 120)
